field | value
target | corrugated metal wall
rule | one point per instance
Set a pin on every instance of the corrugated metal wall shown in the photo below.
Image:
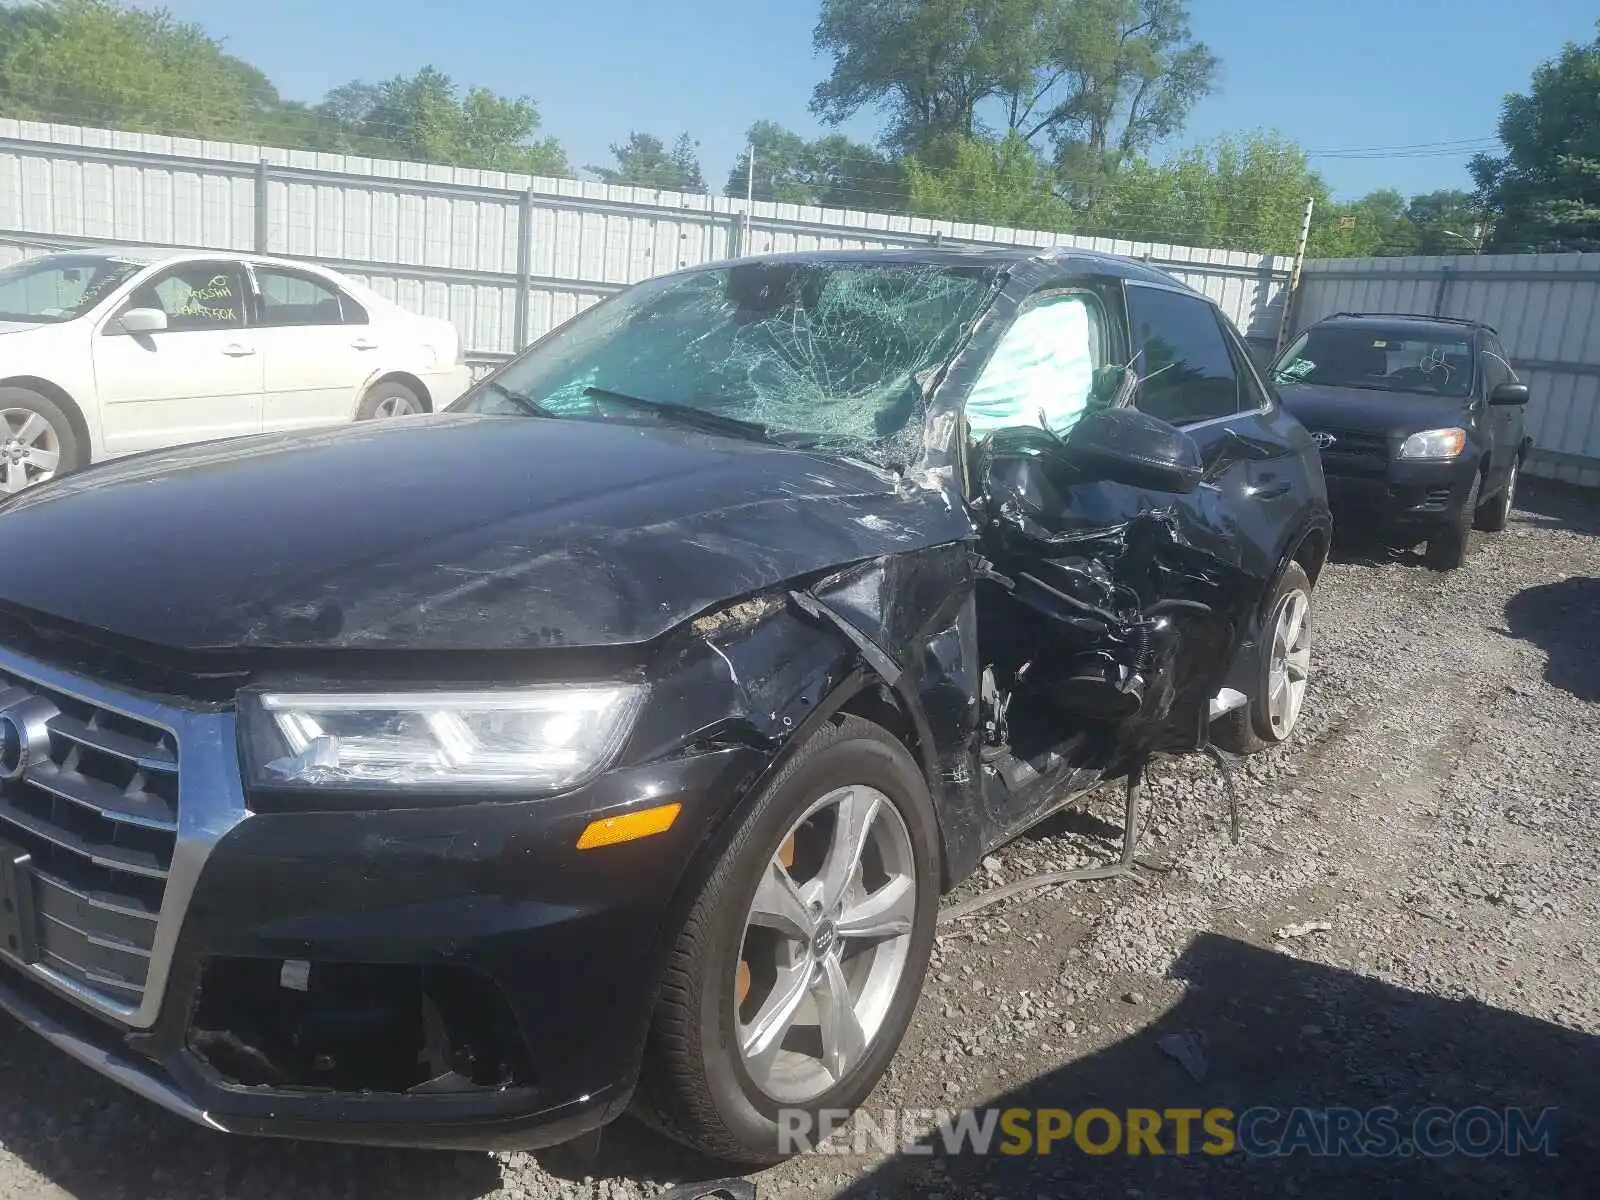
(1546, 308)
(495, 253)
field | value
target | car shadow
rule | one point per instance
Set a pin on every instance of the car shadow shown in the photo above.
(1551, 504)
(1561, 619)
(1281, 1032)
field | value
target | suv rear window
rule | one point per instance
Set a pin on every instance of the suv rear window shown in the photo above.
(1380, 360)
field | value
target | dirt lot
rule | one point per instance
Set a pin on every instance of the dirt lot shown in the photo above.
(1436, 811)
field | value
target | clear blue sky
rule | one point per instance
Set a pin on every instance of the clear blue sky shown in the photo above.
(1334, 75)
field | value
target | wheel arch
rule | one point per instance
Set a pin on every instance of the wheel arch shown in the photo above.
(58, 394)
(408, 380)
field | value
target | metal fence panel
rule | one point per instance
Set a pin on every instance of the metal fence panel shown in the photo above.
(1546, 308)
(506, 257)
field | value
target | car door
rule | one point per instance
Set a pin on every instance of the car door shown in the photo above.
(1197, 375)
(318, 347)
(197, 379)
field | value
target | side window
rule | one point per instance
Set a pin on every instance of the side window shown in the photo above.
(1497, 368)
(1045, 367)
(195, 296)
(293, 299)
(1184, 361)
(1252, 393)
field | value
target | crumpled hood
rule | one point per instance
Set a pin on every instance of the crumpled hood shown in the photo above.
(447, 532)
(1362, 410)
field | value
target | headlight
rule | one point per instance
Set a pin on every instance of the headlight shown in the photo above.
(1434, 443)
(542, 739)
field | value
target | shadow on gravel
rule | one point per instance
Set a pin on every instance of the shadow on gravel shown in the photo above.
(95, 1142)
(1284, 1033)
(1550, 504)
(1561, 619)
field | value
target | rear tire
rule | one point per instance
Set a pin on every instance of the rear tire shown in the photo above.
(1284, 662)
(1492, 517)
(711, 1078)
(390, 398)
(37, 440)
(1448, 549)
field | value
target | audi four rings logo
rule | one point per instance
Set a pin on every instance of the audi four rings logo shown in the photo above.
(1323, 440)
(24, 735)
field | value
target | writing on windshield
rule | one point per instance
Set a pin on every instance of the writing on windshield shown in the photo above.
(60, 287)
(1382, 360)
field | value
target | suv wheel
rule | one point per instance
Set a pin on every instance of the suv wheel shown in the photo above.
(799, 966)
(1492, 517)
(1284, 670)
(1449, 548)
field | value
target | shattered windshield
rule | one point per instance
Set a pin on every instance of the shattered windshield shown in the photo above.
(1380, 360)
(833, 354)
(59, 287)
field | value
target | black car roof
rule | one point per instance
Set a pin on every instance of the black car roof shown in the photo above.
(1064, 260)
(1418, 321)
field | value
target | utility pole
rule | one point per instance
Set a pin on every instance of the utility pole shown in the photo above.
(1294, 275)
(747, 235)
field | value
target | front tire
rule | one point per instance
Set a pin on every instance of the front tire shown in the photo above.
(37, 441)
(799, 966)
(1282, 674)
(1448, 549)
(1492, 517)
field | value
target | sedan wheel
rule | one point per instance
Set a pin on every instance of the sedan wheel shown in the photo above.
(826, 944)
(30, 449)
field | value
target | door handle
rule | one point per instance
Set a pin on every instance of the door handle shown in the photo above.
(364, 344)
(237, 351)
(1270, 491)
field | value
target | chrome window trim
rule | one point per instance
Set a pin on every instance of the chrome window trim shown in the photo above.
(210, 804)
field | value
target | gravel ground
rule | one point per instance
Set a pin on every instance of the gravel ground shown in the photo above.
(1432, 821)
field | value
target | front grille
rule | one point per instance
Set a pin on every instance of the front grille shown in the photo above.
(96, 813)
(1355, 453)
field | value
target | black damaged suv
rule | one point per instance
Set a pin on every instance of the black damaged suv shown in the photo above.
(459, 780)
(1420, 424)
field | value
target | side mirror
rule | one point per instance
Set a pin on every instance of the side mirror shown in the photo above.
(1509, 393)
(1123, 445)
(139, 320)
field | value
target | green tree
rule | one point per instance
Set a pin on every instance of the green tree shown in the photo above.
(993, 182)
(94, 62)
(1245, 192)
(645, 161)
(1098, 82)
(1545, 189)
(426, 117)
(833, 171)
(1447, 222)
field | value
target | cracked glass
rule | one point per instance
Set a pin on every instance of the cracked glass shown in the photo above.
(818, 354)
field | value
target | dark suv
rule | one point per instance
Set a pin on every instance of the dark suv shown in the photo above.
(457, 780)
(1420, 424)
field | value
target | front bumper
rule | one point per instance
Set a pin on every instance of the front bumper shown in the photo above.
(1406, 497)
(564, 946)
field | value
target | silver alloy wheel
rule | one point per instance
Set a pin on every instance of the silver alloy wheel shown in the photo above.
(30, 449)
(1289, 667)
(1511, 485)
(824, 954)
(397, 406)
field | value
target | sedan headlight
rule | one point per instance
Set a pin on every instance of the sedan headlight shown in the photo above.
(1434, 443)
(541, 739)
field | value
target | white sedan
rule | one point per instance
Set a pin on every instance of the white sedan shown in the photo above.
(111, 351)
